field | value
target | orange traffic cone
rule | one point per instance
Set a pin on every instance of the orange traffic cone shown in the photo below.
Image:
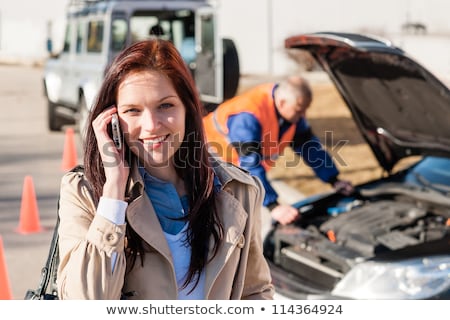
(69, 159)
(5, 288)
(29, 213)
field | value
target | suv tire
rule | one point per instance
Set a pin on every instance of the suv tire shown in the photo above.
(231, 72)
(54, 122)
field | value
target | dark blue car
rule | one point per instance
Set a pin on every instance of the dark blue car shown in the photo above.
(391, 238)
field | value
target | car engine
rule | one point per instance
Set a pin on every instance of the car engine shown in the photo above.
(327, 242)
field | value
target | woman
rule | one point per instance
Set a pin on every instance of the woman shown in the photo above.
(159, 218)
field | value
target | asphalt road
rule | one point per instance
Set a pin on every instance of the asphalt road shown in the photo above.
(27, 147)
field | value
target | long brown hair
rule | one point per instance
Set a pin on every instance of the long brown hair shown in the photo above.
(191, 160)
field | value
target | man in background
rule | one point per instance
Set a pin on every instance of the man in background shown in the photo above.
(251, 130)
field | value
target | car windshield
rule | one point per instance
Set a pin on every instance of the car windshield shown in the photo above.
(177, 26)
(433, 172)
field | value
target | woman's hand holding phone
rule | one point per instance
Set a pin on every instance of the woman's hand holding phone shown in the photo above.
(112, 153)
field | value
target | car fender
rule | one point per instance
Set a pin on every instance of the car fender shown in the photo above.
(52, 83)
(89, 89)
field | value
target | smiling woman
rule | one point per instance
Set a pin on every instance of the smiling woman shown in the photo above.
(160, 218)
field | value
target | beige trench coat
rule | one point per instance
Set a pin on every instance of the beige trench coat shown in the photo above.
(87, 240)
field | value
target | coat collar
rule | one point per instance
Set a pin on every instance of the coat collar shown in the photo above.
(227, 172)
(141, 215)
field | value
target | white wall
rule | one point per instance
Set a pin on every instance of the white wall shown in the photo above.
(23, 28)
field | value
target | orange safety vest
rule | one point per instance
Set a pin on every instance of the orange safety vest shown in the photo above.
(258, 102)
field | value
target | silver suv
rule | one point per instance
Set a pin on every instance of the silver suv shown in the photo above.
(97, 31)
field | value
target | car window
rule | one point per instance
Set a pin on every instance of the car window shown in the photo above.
(79, 41)
(431, 170)
(141, 25)
(95, 36)
(66, 47)
(119, 29)
(178, 27)
(183, 38)
(207, 40)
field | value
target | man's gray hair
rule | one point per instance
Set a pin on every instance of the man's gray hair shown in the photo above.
(294, 87)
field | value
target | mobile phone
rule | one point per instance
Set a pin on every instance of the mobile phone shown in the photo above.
(115, 128)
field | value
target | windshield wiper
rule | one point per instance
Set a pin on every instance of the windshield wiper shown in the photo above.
(435, 186)
(420, 193)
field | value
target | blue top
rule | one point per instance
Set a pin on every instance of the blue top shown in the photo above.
(167, 203)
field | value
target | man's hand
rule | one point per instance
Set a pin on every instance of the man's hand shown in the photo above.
(284, 214)
(343, 186)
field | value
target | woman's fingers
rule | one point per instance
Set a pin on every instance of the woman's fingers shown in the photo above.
(114, 164)
(100, 124)
(108, 151)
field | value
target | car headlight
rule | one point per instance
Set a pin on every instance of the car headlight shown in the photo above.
(418, 278)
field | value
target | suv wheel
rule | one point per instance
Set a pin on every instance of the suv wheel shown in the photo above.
(54, 123)
(231, 72)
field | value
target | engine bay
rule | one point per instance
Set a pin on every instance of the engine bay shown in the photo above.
(336, 233)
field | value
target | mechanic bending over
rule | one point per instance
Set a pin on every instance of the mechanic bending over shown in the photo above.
(253, 129)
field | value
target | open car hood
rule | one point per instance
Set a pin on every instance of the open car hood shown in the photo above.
(400, 107)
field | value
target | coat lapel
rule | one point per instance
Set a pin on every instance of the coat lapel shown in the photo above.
(234, 220)
(142, 217)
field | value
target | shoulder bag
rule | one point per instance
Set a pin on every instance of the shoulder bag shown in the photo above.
(47, 289)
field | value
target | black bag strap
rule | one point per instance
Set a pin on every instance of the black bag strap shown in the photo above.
(49, 271)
